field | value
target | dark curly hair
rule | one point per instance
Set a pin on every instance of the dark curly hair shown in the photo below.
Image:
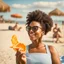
(39, 16)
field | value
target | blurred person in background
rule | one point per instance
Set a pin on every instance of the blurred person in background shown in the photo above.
(56, 33)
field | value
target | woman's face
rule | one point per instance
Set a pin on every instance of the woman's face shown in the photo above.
(35, 31)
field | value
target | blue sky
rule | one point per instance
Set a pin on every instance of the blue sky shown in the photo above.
(24, 6)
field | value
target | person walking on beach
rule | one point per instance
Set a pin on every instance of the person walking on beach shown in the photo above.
(38, 24)
(56, 33)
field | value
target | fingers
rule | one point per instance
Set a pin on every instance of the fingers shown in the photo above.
(18, 57)
(24, 58)
(20, 54)
(21, 57)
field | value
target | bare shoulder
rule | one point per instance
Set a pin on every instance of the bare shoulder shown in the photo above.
(52, 49)
(54, 55)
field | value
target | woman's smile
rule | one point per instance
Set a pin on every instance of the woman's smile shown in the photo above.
(32, 36)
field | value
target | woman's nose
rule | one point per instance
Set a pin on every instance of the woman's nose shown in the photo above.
(31, 31)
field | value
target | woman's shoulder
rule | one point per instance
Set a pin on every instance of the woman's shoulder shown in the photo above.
(52, 49)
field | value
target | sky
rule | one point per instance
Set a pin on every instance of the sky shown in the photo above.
(24, 6)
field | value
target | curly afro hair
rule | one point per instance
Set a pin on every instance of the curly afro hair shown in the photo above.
(39, 16)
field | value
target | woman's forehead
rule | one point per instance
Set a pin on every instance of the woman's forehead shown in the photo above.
(34, 23)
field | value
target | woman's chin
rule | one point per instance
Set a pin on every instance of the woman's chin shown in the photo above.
(32, 39)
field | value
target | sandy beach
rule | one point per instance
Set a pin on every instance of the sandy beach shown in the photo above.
(7, 55)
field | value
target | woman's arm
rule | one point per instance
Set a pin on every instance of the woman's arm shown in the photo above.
(54, 55)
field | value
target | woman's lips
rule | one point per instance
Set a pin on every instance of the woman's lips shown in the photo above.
(31, 35)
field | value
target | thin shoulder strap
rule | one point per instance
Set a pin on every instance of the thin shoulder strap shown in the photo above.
(27, 48)
(47, 48)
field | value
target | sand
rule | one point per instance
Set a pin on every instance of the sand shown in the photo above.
(7, 55)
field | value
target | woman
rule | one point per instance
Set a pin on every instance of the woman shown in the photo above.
(38, 24)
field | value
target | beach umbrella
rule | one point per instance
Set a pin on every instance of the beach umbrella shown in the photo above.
(4, 7)
(56, 12)
(16, 15)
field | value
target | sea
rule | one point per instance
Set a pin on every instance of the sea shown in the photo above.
(54, 21)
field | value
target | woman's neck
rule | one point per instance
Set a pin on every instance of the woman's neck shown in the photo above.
(37, 44)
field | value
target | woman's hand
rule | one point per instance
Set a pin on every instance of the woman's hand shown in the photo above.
(20, 57)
